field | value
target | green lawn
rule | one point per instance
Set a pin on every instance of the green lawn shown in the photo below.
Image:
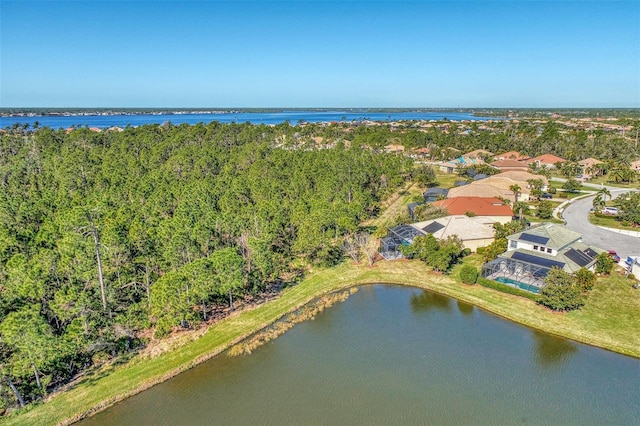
(604, 180)
(609, 320)
(610, 222)
(446, 180)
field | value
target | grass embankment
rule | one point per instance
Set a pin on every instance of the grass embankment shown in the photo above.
(395, 206)
(608, 320)
(610, 222)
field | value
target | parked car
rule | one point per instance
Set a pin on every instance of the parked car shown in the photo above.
(547, 195)
(610, 211)
(614, 255)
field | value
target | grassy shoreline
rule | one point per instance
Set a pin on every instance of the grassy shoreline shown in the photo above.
(607, 321)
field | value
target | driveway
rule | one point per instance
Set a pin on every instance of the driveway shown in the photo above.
(576, 215)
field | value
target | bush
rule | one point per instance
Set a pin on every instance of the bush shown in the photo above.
(506, 288)
(585, 279)
(468, 274)
(561, 292)
(604, 263)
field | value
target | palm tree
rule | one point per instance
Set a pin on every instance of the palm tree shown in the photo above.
(604, 192)
(515, 188)
(600, 200)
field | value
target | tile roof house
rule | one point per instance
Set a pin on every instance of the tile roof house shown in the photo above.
(523, 177)
(587, 167)
(394, 148)
(546, 160)
(533, 252)
(493, 186)
(479, 206)
(473, 231)
(506, 165)
(512, 155)
(478, 153)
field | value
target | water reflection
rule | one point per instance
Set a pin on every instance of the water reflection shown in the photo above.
(397, 355)
(426, 300)
(551, 352)
(465, 308)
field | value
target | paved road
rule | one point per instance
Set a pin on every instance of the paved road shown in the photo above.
(577, 216)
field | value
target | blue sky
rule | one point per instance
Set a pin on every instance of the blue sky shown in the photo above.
(319, 54)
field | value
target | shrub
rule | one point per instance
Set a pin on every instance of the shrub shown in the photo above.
(561, 292)
(585, 279)
(506, 288)
(604, 263)
(468, 274)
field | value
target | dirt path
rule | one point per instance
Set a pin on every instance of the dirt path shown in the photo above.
(395, 205)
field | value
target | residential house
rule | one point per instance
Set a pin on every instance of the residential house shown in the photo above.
(512, 155)
(533, 252)
(423, 152)
(452, 166)
(588, 167)
(491, 207)
(394, 148)
(493, 186)
(546, 160)
(507, 165)
(523, 178)
(473, 231)
(478, 154)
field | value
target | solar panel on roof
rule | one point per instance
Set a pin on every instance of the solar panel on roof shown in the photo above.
(579, 257)
(541, 261)
(433, 227)
(534, 238)
(591, 252)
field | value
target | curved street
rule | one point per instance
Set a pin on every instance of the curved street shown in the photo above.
(576, 214)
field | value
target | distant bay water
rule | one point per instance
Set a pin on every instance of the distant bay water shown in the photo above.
(293, 117)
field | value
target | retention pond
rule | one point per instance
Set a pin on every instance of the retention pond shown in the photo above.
(398, 355)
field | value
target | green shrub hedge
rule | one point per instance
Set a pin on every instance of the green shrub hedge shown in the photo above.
(506, 288)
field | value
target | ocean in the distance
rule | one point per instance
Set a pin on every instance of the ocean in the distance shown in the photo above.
(293, 117)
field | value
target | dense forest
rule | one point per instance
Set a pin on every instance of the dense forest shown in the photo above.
(109, 239)
(105, 235)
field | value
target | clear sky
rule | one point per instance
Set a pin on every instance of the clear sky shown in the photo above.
(319, 53)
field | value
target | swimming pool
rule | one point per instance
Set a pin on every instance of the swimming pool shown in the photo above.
(521, 285)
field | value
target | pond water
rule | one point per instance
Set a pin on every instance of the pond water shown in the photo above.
(398, 355)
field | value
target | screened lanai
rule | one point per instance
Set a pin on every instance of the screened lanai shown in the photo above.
(401, 235)
(519, 273)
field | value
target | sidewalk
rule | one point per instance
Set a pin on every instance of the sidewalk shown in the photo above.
(622, 231)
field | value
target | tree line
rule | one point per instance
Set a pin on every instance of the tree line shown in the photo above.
(107, 237)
